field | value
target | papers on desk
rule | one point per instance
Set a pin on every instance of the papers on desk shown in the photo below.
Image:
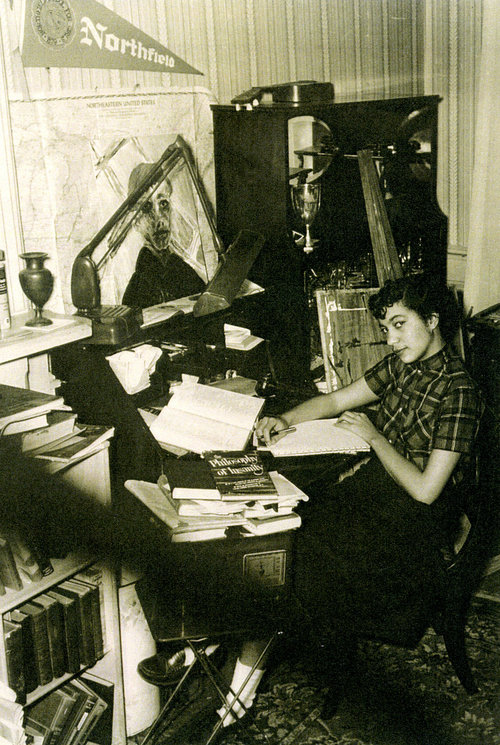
(158, 313)
(184, 305)
(314, 438)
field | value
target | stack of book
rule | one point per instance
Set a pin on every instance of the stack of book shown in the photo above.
(201, 499)
(72, 713)
(238, 337)
(42, 425)
(23, 410)
(56, 632)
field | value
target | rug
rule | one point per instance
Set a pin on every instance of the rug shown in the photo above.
(395, 697)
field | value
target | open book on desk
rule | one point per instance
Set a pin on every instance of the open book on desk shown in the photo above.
(316, 437)
(201, 417)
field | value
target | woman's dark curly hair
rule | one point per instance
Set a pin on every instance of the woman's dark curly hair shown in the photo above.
(423, 293)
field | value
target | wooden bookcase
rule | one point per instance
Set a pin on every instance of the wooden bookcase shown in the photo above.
(91, 475)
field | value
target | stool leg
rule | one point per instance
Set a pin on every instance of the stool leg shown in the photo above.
(161, 719)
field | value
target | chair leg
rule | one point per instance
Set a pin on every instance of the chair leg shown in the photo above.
(335, 662)
(454, 639)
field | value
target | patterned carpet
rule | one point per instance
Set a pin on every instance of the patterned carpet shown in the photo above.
(395, 697)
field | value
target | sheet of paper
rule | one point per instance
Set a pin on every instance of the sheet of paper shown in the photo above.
(316, 437)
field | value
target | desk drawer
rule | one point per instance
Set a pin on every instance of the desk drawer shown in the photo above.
(248, 586)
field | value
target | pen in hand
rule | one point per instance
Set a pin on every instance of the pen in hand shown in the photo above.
(285, 431)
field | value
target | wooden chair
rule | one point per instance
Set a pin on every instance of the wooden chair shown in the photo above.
(465, 564)
(464, 571)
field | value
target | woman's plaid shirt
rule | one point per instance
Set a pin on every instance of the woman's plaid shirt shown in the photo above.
(432, 403)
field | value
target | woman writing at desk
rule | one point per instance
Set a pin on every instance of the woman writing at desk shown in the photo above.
(368, 557)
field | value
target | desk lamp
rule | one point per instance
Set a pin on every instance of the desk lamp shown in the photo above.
(113, 324)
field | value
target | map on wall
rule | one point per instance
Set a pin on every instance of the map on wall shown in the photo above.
(74, 157)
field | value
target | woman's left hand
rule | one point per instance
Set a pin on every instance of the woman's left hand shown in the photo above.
(359, 424)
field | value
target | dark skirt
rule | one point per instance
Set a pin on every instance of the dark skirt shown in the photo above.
(367, 559)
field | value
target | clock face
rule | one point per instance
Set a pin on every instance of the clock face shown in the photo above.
(267, 567)
(53, 22)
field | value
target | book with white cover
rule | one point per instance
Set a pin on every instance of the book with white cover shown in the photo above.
(201, 417)
(316, 437)
(273, 525)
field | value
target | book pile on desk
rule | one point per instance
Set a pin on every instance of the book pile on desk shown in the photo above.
(196, 506)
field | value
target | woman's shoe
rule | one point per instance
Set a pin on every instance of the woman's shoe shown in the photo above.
(166, 669)
(163, 669)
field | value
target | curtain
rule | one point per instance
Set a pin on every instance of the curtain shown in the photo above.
(482, 273)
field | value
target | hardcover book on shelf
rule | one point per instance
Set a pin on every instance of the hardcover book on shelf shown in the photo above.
(77, 710)
(70, 611)
(55, 625)
(13, 640)
(102, 731)
(96, 707)
(28, 566)
(40, 718)
(40, 636)
(30, 671)
(46, 718)
(80, 726)
(95, 602)
(94, 575)
(9, 573)
(202, 417)
(86, 643)
(41, 556)
(22, 409)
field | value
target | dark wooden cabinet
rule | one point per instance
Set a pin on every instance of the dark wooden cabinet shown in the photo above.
(252, 174)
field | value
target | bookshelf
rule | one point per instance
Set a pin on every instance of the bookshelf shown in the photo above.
(24, 341)
(91, 474)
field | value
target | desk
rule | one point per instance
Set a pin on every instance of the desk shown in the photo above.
(244, 587)
(92, 389)
(256, 569)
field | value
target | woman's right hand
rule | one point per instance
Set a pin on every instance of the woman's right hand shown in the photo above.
(268, 428)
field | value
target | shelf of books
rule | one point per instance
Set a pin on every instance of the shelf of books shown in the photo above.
(54, 635)
(60, 650)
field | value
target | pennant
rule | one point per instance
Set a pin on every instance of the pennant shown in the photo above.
(84, 33)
